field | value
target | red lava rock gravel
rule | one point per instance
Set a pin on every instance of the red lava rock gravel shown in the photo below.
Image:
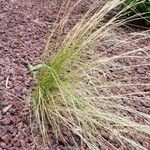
(22, 39)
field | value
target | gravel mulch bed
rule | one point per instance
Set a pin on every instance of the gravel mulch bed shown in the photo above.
(24, 27)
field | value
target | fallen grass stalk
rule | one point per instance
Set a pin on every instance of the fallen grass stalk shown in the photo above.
(66, 87)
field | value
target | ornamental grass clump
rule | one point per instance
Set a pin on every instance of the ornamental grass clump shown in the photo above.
(72, 90)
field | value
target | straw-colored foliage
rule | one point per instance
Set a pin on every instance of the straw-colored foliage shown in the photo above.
(73, 89)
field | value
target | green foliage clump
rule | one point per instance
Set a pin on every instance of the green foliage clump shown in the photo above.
(139, 8)
(73, 91)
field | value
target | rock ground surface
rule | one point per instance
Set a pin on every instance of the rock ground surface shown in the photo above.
(24, 27)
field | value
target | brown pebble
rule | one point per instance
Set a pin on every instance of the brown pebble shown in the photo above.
(140, 70)
(3, 145)
(6, 121)
(13, 141)
(12, 148)
(5, 139)
(22, 143)
(20, 125)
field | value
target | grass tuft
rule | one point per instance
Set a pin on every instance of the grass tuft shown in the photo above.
(72, 89)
